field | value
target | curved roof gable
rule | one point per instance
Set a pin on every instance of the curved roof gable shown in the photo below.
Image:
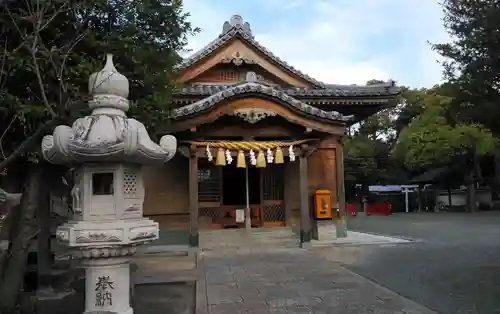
(256, 88)
(237, 28)
(389, 89)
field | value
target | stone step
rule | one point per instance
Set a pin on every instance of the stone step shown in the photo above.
(59, 302)
(61, 276)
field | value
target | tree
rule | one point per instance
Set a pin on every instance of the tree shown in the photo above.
(473, 63)
(49, 48)
(367, 149)
(431, 141)
(434, 139)
(360, 163)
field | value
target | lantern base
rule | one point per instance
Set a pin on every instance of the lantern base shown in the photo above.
(107, 286)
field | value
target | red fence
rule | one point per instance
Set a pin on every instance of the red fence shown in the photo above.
(352, 210)
(378, 209)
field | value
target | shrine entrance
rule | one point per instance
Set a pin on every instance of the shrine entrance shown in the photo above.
(240, 186)
(225, 192)
(272, 201)
(253, 175)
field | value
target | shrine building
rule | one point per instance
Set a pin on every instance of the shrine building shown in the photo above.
(252, 129)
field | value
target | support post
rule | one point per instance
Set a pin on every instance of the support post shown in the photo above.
(248, 218)
(305, 215)
(407, 201)
(193, 199)
(341, 229)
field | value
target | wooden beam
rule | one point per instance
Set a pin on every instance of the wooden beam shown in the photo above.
(339, 158)
(193, 199)
(305, 214)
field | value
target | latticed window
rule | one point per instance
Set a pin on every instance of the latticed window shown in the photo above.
(229, 76)
(209, 183)
(130, 183)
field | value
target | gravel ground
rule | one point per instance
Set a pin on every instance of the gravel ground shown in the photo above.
(454, 268)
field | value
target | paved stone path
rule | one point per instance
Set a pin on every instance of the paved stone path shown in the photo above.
(165, 283)
(289, 280)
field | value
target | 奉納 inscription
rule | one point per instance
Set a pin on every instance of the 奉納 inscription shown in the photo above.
(103, 287)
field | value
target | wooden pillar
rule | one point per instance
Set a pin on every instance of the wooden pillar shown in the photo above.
(193, 198)
(305, 214)
(341, 222)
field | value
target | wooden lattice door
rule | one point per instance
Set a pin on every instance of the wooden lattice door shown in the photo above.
(272, 191)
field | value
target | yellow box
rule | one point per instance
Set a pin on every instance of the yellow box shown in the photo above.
(323, 204)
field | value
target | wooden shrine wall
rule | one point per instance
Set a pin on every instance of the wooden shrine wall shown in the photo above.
(167, 192)
(321, 175)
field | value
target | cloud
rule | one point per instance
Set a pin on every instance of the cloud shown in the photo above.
(341, 41)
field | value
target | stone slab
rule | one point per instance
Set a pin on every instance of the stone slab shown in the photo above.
(164, 269)
(290, 280)
(165, 298)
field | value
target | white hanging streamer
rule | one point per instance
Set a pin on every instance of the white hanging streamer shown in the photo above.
(291, 153)
(253, 160)
(229, 158)
(270, 157)
(209, 154)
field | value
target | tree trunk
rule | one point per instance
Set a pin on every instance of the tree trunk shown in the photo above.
(44, 252)
(420, 201)
(22, 231)
(495, 187)
(11, 224)
(471, 191)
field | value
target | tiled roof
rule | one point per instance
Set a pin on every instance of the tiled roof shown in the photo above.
(236, 27)
(388, 89)
(256, 88)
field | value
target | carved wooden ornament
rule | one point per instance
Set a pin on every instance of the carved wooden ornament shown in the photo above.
(253, 115)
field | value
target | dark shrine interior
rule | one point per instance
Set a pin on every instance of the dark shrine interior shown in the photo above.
(234, 186)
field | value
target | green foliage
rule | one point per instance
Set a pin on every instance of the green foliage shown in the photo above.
(368, 158)
(359, 158)
(379, 126)
(65, 41)
(473, 62)
(431, 141)
(422, 132)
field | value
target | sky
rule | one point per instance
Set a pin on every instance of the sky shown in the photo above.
(337, 41)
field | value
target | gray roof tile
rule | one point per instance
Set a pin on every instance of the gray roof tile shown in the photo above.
(253, 87)
(388, 89)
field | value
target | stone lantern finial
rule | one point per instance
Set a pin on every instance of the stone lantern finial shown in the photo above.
(107, 135)
(109, 88)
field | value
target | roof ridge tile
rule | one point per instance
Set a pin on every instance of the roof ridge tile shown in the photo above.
(253, 87)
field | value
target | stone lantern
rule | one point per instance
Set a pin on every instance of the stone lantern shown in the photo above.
(107, 150)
